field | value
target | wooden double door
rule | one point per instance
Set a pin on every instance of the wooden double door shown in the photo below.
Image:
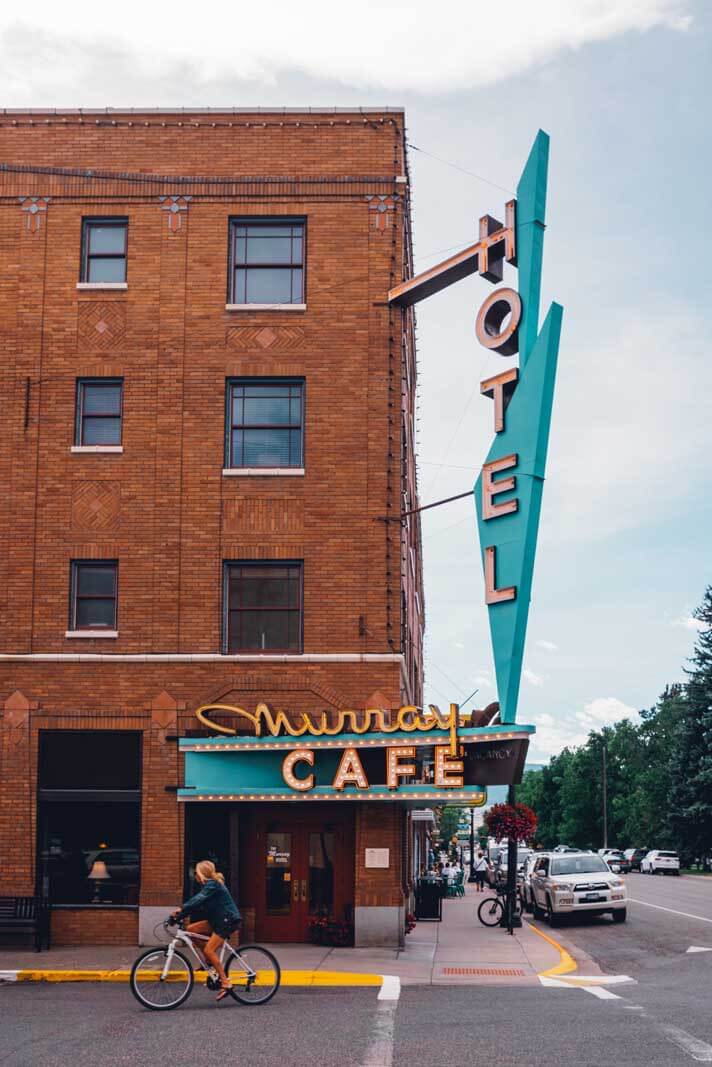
(305, 868)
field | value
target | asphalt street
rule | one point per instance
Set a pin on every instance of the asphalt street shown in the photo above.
(664, 1017)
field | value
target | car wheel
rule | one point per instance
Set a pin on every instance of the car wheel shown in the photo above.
(551, 917)
(620, 915)
(537, 912)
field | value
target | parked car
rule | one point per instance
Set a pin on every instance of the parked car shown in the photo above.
(576, 882)
(615, 859)
(565, 848)
(634, 856)
(657, 862)
(498, 874)
(525, 880)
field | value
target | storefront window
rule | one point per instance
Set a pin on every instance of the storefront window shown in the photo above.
(89, 817)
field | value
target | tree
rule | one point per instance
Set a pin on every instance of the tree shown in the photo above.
(691, 757)
(448, 822)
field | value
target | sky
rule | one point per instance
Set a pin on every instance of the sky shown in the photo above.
(623, 89)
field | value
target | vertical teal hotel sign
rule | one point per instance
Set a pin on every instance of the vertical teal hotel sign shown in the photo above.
(508, 492)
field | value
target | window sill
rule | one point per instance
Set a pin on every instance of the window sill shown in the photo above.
(91, 633)
(102, 285)
(87, 907)
(263, 472)
(113, 449)
(265, 307)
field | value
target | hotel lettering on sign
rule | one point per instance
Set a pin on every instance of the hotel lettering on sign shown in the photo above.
(508, 492)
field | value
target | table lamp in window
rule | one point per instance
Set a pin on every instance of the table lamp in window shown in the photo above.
(97, 875)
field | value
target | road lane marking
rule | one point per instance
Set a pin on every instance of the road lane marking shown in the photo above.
(684, 914)
(380, 1049)
(698, 948)
(698, 1050)
(600, 992)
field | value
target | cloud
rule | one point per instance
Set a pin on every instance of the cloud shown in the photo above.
(689, 622)
(604, 711)
(548, 646)
(482, 681)
(391, 45)
(556, 732)
(532, 678)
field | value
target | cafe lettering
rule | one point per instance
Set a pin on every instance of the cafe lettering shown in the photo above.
(409, 753)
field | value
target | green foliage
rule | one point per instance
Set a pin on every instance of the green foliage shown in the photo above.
(448, 822)
(659, 773)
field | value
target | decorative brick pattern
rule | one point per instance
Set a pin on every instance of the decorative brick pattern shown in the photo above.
(33, 208)
(274, 516)
(265, 338)
(101, 326)
(96, 507)
(381, 209)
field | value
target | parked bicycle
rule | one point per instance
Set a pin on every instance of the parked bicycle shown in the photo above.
(492, 909)
(163, 977)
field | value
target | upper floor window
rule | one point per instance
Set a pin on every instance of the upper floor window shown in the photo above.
(266, 261)
(93, 595)
(98, 419)
(104, 245)
(265, 424)
(263, 607)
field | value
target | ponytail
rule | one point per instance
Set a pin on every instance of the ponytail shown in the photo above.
(206, 869)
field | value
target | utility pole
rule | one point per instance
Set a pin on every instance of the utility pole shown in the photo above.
(605, 794)
(472, 846)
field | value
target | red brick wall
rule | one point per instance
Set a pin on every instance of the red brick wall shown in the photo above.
(94, 926)
(379, 826)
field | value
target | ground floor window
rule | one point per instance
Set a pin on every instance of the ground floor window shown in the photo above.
(90, 817)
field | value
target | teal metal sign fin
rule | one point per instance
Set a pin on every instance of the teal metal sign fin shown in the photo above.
(526, 435)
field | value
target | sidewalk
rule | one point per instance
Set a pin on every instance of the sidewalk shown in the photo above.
(457, 951)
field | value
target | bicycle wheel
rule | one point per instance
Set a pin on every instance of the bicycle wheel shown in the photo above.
(490, 911)
(254, 974)
(154, 991)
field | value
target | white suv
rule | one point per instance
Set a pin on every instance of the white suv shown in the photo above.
(657, 862)
(568, 883)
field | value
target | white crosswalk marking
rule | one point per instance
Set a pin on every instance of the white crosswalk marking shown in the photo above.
(380, 1050)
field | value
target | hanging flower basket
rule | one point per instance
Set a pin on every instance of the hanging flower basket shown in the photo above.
(516, 822)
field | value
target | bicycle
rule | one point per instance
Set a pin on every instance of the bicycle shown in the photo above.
(162, 978)
(492, 909)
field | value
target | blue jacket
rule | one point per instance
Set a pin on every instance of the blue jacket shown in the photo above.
(213, 903)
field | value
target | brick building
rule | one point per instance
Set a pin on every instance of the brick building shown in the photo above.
(209, 411)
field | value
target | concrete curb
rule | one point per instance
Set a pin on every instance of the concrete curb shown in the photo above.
(289, 978)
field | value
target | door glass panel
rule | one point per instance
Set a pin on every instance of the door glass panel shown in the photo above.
(321, 874)
(278, 876)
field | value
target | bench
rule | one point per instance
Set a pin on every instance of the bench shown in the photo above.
(25, 915)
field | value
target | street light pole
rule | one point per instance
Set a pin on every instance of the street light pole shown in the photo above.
(605, 794)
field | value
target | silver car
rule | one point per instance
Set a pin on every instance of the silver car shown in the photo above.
(574, 882)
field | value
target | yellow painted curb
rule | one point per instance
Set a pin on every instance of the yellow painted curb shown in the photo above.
(289, 978)
(566, 963)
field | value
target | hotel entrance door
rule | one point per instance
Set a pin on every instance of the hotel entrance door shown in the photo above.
(305, 869)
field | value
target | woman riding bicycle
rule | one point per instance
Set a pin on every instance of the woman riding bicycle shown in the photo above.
(221, 916)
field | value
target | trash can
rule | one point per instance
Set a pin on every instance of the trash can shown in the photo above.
(428, 901)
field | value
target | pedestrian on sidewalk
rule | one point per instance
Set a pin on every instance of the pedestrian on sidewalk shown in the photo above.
(481, 868)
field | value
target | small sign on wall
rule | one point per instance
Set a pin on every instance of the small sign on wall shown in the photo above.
(378, 857)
